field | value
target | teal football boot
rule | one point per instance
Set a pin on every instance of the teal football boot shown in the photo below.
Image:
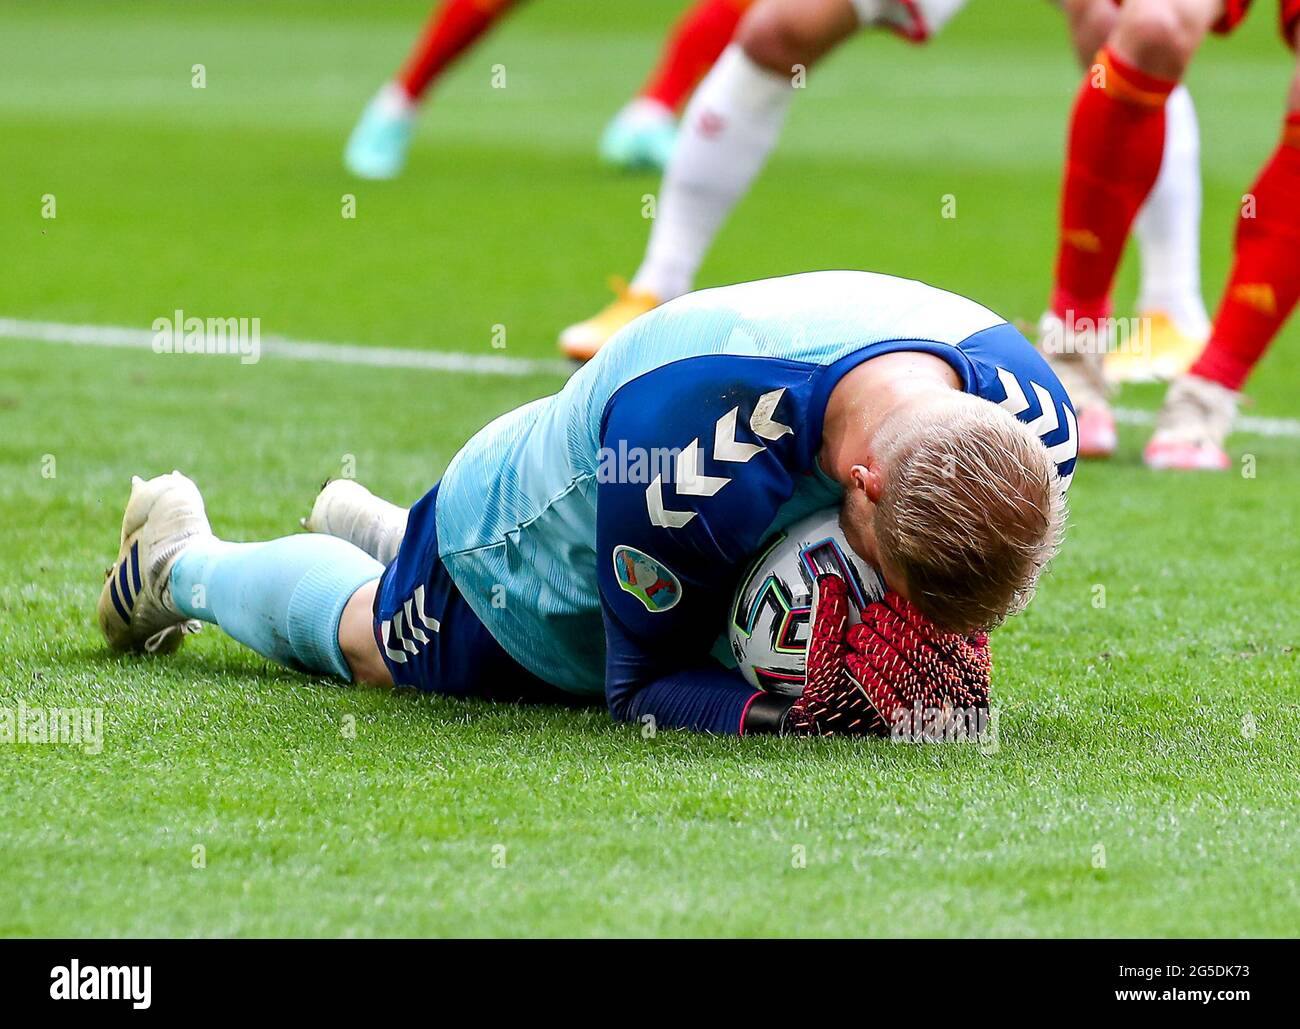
(377, 147)
(641, 137)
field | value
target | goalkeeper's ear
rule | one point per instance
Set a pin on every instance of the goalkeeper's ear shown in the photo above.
(858, 510)
(869, 479)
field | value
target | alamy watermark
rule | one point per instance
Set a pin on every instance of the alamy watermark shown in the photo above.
(947, 724)
(67, 726)
(1075, 335)
(636, 465)
(75, 981)
(235, 337)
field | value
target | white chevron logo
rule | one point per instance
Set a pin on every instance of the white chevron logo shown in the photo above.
(725, 445)
(385, 631)
(416, 631)
(1016, 402)
(418, 618)
(407, 645)
(407, 628)
(1068, 448)
(762, 422)
(1047, 422)
(654, 501)
(427, 618)
(691, 482)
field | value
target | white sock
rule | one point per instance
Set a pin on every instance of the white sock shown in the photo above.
(378, 530)
(729, 127)
(393, 101)
(1168, 228)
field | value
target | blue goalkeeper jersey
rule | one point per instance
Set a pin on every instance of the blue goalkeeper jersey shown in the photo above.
(599, 533)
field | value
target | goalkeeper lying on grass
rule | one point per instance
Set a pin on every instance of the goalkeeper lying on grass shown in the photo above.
(704, 427)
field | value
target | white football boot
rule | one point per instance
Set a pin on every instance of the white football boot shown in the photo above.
(163, 516)
(348, 510)
(1193, 427)
(1079, 364)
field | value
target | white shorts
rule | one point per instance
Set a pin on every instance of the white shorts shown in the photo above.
(916, 20)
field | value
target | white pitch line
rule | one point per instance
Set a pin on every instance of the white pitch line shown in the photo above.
(1284, 427)
(443, 361)
(297, 350)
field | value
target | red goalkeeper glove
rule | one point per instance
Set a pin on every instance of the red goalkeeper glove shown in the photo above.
(873, 677)
(825, 662)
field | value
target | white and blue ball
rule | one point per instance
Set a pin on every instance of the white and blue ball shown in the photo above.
(768, 627)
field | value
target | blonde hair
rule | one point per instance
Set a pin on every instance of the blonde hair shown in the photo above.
(971, 512)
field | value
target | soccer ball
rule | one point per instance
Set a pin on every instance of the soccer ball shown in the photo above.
(768, 629)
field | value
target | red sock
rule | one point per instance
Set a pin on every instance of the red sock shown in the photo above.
(1265, 282)
(1117, 140)
(695, 43)
(450, 32)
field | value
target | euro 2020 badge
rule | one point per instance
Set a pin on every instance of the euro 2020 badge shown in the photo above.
(650, 581)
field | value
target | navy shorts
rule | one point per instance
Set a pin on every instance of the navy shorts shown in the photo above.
(430, 638)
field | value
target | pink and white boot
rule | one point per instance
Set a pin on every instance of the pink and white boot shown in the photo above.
(1079, 364)
(1193, 427)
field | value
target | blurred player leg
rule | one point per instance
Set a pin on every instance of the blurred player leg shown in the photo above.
(1168, 232)
(695, 44)
(643, 132)
(1262, 291)
(377, 147)
(453, 29)
(1115, 150)
(1167, 228)
(729, 127)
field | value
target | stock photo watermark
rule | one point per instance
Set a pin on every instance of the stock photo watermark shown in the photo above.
(622, 464)
(53, 726)
(947, 724)
(1093, 336)
(75, 981)
(178, 333)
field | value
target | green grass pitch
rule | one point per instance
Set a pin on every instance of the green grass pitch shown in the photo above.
(1145, 777)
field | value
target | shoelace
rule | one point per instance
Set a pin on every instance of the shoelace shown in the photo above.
(187, 628)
